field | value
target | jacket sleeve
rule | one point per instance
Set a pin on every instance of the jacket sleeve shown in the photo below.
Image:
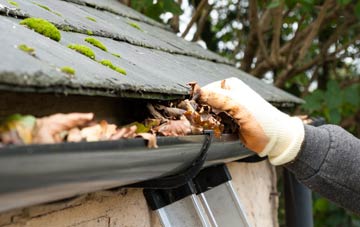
(329, 163)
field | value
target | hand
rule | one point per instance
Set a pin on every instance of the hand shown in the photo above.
(263, 128)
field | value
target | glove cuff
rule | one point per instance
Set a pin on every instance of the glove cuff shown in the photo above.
(286, 142)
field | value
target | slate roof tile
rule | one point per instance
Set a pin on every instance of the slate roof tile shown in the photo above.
(157, 62)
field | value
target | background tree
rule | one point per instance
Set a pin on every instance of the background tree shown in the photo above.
(308, 47)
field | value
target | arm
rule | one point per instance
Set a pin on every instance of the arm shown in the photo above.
(329, 163)
(326, 159)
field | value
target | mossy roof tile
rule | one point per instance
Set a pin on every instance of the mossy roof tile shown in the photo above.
(157, 62)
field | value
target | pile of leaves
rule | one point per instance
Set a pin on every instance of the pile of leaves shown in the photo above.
(173, 119)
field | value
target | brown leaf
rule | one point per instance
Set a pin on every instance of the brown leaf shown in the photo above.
(47, 129)
(180, 127)
(171, 112)
(98, 132)
(151, 139)
(125, 132)
(74, 135)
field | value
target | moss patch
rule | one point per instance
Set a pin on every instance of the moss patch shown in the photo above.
(89, 32)
(91, 18)
(43, 27)
(68, 70)
(109, 64)
(82, 49)
(135, 25)
(116, 55)
(47, 8)
(13, 3)
(26, 49)
(96, 43)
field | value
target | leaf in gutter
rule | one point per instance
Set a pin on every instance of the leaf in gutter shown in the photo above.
(48, 129)
(98, 132)
(151, 139)
(74, 135)
(180, 127)
(125, 132)
(18, 129)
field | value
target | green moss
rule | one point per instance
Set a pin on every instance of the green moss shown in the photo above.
(89, 32)
(96, 43)
(26, 49)
(13, 3)
(109, 64)
(68, 70)
(43, 27)
(91, 18)
(82, 49)
(42, 6)
(47, 8)
(116, 55)
(135, 25)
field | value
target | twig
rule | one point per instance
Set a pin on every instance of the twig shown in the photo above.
(277, 23)
(195, 17)
(201, 22)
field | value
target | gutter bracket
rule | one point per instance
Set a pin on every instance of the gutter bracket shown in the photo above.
(180, 179)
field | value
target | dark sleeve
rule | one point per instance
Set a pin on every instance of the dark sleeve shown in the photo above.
(329, 163)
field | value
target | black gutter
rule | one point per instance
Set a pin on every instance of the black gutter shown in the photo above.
(36, 174)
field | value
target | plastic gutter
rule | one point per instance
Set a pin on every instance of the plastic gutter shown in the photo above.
(35, 174)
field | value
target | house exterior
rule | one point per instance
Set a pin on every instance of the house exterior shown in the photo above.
(68, 185)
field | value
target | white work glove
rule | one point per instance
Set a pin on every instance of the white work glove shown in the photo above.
(263, 128)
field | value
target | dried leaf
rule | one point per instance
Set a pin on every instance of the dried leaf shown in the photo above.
(98, 132)
(154, 112)
(47, 128)
(22, 125)
(180, 127)
(74, 135)
(171, 112)
(151, 139)
(125, 132)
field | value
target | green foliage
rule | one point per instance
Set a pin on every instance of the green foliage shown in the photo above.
(26, 49)
(154, 10)
(13, 3)
(335, 103)
(43, 27)
(109, 64)
(91, 18)
(82, 49)
(95, 42)
(68, 70)
(328, 214)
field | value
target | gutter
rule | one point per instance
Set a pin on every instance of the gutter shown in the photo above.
(35, 174)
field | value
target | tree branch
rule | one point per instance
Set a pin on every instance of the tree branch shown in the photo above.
(251, 46)
(201, 22)
(314, 29)
(277, 24)
(195, 17)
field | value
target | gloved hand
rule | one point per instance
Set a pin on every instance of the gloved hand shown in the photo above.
(263, 128)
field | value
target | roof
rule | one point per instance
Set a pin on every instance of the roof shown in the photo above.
(158, 63)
